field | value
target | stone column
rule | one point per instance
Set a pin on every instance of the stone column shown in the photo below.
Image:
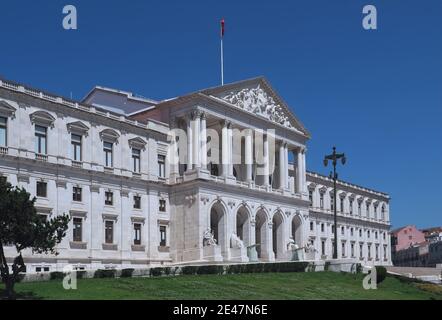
(286, 169)
(230, 136)
(196, 118)
(304, 172)
(203, 141)
(174, 158)
(282, 166)
(189, 145)
(248, 155)
(266, 160)
(225, 148)
(298, 171)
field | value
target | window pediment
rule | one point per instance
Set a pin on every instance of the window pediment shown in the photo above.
(78, 127)
(42, 118)
(6, 109)
(137, 143)
(109, 135)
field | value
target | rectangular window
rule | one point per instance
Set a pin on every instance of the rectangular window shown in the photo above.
(322, 227)
(369, 251)
(161, 166)
(342, 230)
(333, 229)
(351, 232)
(368, 233)
(359, 208)
(109, 198)
(3, 131)
(367, 208)
(332, 202)
(108, 150)
(361, 250)
(376, 235)
(109, 232)
(310, 197)
(321, 201)
(352, 250)
(377, 252)
(360, 232)
(137, 202)
(76, 147)
(162, 206)
(136, 155)
(137, 233)
(40, 139)
(385, 252)
(311, 226)
(163, 235)
(351, 206)
(78, 229)
(42, 189)
(76, 194)
(343, 248)
(323, 247)
(342, 204)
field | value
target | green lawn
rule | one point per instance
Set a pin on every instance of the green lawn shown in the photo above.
(311, 285)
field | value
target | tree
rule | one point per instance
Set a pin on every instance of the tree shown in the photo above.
(22, 227)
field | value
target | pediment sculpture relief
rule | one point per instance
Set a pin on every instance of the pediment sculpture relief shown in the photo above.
(257, 101)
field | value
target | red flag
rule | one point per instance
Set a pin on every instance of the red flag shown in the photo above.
(222, 27)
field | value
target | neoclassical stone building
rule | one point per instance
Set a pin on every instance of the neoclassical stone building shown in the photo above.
(218, 175)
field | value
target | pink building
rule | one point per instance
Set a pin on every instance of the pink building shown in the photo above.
(405, 237)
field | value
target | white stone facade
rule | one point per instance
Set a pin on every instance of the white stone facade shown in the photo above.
(141, 195)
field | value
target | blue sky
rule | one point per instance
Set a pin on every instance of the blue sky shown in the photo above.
(376, 95)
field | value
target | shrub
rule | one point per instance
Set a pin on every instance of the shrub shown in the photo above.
(327, 266)
(156, 272)
(127, 273)
(105, 273)
(81, 274)
(210, 269)
(381, 274)
(56, 275)
(189, 270)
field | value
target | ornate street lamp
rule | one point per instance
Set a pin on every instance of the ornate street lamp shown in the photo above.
(334, 157)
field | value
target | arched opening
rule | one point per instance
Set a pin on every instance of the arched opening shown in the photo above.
(260, 232)
(297, 230)
(278, 235)
(218, 224)
(243, 225)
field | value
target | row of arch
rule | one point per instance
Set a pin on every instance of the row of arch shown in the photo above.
(270, 233)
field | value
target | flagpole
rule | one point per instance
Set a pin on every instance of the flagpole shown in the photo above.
(222, 62)
(222, 52)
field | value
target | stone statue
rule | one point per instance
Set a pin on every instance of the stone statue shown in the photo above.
(257, 101)
(291, 244)
(236, 242)
(209, 238)
(309, 248)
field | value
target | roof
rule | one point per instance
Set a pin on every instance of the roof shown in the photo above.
(349, 184)
(127, 94)
(401, 228)
(211, 91)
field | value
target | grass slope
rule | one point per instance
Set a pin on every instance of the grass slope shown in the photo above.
(319, 285)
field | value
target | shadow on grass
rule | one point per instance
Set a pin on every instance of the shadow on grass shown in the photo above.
(28, 295)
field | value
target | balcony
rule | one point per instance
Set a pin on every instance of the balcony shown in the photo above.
(77, 164)
(3, 150)
(41, 157)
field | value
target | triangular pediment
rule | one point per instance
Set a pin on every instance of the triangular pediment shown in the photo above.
(258, 97)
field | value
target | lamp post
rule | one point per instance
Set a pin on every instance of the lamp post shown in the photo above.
(334, 157)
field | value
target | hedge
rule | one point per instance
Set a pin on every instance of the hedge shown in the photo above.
(127, 273)
(105, 273)
(381, 274)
